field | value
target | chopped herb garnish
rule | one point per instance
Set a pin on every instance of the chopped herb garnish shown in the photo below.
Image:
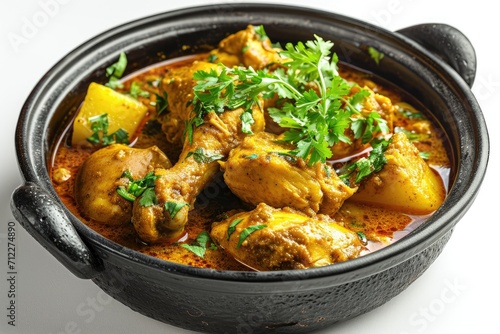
(161, 103)
(115, 72)
(362, 238)
(246, 232)
(287, 156)
(173, 208)
(314, 118)
(412, 136)
(375, 54)
(232, 227)
(252, 156)
(411, 114)
(247, 121)
(367, 166)
(99, 125)
(425, 155)
(259, 30)
(136, 91)
(199, 246)
(143, 186)
(212, 58)
(365, 128)
(200, 156)
(148, 197)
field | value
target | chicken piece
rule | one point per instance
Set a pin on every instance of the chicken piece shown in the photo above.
(178, 186)
(178, 84)
(260, 170)
(405, 183)
(282, 239)
(101, 174)
(248, 48)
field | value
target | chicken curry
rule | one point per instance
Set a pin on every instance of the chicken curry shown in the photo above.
(251, 157)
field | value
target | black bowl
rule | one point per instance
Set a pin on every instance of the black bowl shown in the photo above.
(434, 62)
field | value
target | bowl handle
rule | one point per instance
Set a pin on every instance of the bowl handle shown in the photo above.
(44, 220)
(448, 43)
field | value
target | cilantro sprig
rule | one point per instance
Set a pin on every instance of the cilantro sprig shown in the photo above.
(362, 168)
(142, 187)
(318, 104)
(99, 125)
(200, 244)
(115, 71)
(200, 156)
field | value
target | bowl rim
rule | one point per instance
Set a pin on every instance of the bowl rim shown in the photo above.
(441, 222)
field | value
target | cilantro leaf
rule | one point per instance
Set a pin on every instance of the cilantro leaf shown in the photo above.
(199, 246)
(115, 72)
(148, 197)
(376, 55)
(161, 103)
(232, 227)
(99, 125)
(173, 208)
(246, 232)
(200, 156)
(364, 167)
(136, 91)
(143, 186)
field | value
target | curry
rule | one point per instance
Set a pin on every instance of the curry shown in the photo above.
(251, 157)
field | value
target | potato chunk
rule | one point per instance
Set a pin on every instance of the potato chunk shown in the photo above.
(405, 183)
(101, 174)
(285, 239)
(123, 112)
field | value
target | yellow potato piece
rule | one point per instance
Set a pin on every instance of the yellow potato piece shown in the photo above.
(123, 112)
(406, 182)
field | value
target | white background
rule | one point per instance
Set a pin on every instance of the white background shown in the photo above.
(458, 294)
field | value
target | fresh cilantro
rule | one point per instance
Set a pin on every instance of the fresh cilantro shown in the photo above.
(173, 208)
(136, 91)
(412, 136)
(199, 246)
(200, 156)
(148, 197)
(375, 54)
(287, 156)
(410, 114)
(161, 103)
(362, 238)
(212, 58)
(232, 227)
(115, 72)
(366, 127)
(99, 125)
(136, 188)
(318, 107)
(259, 30)
(425, 155)
(247, 121)
(252, 156)
(246, 232)
(364, 167)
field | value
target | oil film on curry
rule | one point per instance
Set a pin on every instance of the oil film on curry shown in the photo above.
(253, 156)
